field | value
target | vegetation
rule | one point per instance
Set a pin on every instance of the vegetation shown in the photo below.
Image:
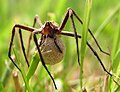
(104, 22)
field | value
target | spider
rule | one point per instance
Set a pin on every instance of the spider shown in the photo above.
(50, 35)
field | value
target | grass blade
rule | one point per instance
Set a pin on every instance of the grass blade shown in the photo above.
(22, 71)
(116, 37)
(7, 72)
(1, 87)
(25, 80)
(115, 53)
(87, 12)
(33, 66)
(108, 19)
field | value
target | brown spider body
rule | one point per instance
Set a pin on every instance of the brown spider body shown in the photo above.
(51, 44)
(50, 51)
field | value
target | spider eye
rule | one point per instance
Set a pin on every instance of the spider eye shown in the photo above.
(47, 23)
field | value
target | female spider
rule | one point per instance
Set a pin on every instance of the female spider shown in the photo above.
(50, 43)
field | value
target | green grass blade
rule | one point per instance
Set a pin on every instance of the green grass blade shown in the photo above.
(25, 80)
(107, 20)
(87, 12)
(1, 87)
(116, 37)
(7, 72)
(33, 66)
(22, 71)
(115, 54)
(117, 60)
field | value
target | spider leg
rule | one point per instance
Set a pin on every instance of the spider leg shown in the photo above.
(90, 34)
(12, 38)
(95, 53)
(71, 12)
(98, 44)
(42, 60)
(36, 20)
(23, 48)
(57, 45)
(90, 47)
(68, 14)
(76, 37)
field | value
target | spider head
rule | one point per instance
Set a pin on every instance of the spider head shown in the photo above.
(49, 29)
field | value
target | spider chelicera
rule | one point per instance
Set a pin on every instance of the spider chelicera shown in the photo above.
(50, 31)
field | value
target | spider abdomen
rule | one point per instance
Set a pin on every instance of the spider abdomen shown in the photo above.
(50, 52)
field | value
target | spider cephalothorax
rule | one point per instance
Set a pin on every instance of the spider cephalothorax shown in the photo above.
(50, 29)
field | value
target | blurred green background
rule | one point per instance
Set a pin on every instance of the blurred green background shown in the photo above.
(67, 72)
